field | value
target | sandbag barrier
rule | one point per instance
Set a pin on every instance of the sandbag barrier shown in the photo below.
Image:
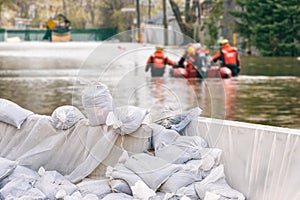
(46, 157)
(177, 166)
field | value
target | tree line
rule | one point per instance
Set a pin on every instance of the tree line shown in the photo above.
(269, 26)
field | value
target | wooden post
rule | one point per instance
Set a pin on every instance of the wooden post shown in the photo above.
(199, 20)
(234, 39)
(165, 22)
(138, 19)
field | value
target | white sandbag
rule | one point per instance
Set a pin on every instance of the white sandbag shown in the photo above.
(6, 167)
(61, 194)
(18, 188)
(211, 196)
(127, 119)
(141, 191)
(159, 114)
(183, 149)
(97, 102)
(188, 191)
(215, 183)
(181, 121)
(210, 158)
(51, 182)
(13, 114)
(93, 186)
(64, 117)
(189, 174)
(75, 196)
(153, 170)
(120, 186)
(29, 175)
(162, 137)
(119, 196)
(78, 196)
(119, 171)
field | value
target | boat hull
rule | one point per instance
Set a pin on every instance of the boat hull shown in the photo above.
(212, 72)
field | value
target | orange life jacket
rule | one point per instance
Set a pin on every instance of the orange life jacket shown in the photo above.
(229, 55)
(159, 60)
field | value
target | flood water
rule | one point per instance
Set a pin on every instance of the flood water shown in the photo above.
(266, 92)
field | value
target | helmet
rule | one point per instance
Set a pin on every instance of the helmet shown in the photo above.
(191, 50)
(159, 47)
(224, 41)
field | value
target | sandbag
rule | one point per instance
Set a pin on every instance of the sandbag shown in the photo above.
(127, 119)
(180, 121)
(64, 117)
(52, 182)
(141, 191)
(20, 188)
(162, 137)
(92, 186)
(215, 183)
(13, 114)
(119, 196)
(152, 170)
(120, 186)
(183, 149)
(29, 175)
(119, 171)
(188, 191)
(189, 174)
(97, 103)
(210, 158)
(6, 167)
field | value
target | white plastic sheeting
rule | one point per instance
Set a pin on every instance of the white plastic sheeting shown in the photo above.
(260, 161)
(75, 152)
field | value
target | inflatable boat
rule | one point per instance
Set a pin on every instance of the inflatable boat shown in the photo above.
(212, 72)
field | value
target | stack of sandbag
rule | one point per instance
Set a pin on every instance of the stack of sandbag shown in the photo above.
(65, 141)
(180, 167)
(164, 159)
(133, 135)
(18, 182)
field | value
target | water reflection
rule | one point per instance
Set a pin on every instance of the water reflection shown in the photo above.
(270, 100)
(41, 95)
(230, 87)
(158, 91)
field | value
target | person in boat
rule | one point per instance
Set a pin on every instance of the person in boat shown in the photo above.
(63, 22)
(157, 62)
(228, 57)
(192, 61)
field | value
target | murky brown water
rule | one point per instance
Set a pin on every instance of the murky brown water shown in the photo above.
(266, 92)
